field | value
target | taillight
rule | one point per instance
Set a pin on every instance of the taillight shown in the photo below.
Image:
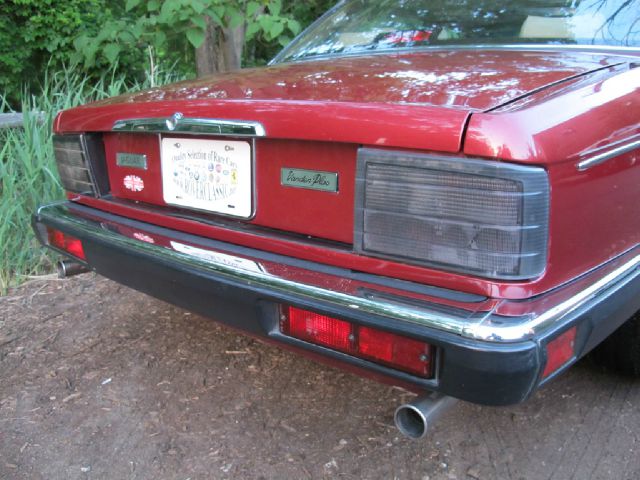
(81, 163)
(472, 216)
(389, 349)
(66, 243)
(73, 163)
(559, 351)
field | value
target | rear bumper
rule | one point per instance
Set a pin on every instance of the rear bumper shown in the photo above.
(489, 351)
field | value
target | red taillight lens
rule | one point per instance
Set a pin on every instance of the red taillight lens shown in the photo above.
(560, 351)
(65, 242)
(320, 329)
(393, 350)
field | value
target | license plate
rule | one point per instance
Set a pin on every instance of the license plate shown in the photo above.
(210, 175)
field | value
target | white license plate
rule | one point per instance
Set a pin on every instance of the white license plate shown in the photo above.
(210, 175)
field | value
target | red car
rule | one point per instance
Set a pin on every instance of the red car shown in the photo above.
(443, 195)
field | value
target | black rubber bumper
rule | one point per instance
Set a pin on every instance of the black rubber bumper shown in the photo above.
(143, 257)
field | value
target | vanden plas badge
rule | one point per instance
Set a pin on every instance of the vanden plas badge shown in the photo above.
(132, 160)
(313, 179)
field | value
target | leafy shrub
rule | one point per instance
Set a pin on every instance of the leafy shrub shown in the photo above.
(35, 33)
(174, 27)
(96, 36)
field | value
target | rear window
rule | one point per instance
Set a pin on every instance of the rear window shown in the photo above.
(359, 26)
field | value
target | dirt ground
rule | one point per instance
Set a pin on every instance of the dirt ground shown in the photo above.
(101, 382)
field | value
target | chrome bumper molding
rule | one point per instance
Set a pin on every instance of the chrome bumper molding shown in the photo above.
(535, 317)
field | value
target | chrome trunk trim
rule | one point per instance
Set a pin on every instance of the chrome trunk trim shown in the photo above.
(629, 52)
(177, 123)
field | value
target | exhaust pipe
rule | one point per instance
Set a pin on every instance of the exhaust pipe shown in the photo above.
(69, 268)
(414, 419)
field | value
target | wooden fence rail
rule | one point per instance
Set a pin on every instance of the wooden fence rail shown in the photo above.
(15, 120)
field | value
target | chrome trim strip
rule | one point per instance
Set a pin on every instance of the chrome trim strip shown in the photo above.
(191, 126)
(57, 203)
(607, 155)
(535, 47)
(554, 313)
(280, 283)
(555, 307)
(89, 164)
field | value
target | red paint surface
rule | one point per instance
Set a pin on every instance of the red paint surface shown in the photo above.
(594, 214)
(348, 100)
(309, 212)
(152, 177)
(412, 126)
(549, 129)
(466, 79)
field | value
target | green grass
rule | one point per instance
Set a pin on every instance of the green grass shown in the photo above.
(28, 175)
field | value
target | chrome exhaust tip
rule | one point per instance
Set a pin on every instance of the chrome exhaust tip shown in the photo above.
(69, 268)
(414, 419)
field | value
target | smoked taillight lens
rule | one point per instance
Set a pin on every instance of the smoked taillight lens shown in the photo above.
(81, 163)
(389, 349)
(73, 164)
(66, 243)
(472, 216)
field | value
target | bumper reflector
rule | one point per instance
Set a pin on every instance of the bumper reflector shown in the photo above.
(67, 243)
(560, 351)
(389, 349)
(319, 329)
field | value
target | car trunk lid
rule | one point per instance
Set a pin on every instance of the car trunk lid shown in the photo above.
(315, 116)
(475, 80)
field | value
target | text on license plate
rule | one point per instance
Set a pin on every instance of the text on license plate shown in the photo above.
(210, 175)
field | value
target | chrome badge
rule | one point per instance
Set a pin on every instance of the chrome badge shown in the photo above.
(131, 160)
(172, 122)
(312, 179)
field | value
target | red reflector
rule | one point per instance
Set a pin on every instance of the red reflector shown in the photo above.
(376, 344)
(372, 344)
(400, 352)
(560, 351)
(65, 242)
(320, 329)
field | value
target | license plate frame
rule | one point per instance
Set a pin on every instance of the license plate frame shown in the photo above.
(209, 175)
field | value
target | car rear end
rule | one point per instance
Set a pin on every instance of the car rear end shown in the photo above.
(403, 237)
(397, 262)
